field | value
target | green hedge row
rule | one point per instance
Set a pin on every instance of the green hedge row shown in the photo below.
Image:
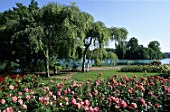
(146, 68)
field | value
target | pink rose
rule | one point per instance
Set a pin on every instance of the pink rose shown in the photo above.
(19, 93)
(20, 101)
(142, 101)
(9, 109)
(86, 108)
(65, 91)
(11, 87)
(86, 102)
(91, 109)
(2, 101)
(24, 107)
(116, 100)
(54, 97)
(133, 105)
(51, 80)
(14, 98)
(59, 93)
(41, 99)
(78, 105)
(123, 104)
(72, 92)
(95, 92)
(73, 101)
(26, 90)
(130, 90)
(51, 93)
(47, 98)
(28, 97)
(90, 95)
(96, 109)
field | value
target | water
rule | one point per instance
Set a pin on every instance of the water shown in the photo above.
(165, 61)
(110, 63)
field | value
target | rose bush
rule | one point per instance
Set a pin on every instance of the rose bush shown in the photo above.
(28, 93)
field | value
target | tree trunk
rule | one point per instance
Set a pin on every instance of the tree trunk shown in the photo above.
(84, 54)
(46, 62)
(55, 68)
(47, 68)
(84, 58)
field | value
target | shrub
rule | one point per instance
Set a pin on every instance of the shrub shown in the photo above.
(59, 67)
(155, 63)
(146, 68)
(39, 68)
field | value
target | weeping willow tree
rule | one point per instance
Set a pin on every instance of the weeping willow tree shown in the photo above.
(119, 35)
(65, 28)
(98, 34)
(100, 54)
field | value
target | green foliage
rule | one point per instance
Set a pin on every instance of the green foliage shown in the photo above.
(135, 51)
(98, 55)
(119, 35)
(59, 67)
(146, 68)
(39, 67)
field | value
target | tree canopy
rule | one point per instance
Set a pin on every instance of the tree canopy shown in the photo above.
(29, 33)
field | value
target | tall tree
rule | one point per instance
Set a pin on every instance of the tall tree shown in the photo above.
(132, 48)
(119, 35)
(155, 46)
(97, 32)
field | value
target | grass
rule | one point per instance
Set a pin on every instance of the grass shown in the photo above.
(92, 75)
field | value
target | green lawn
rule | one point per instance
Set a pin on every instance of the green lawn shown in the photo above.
(92, 75)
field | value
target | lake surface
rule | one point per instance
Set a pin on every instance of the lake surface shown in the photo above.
(110, 63)
(163, 61)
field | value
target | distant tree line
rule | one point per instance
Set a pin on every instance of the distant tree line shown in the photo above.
(167, 54)
(135, 51)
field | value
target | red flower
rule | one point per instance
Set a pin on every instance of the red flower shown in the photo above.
(14, 77)
(157, 105)
(1, 79)
(100, 74)
(21, 76)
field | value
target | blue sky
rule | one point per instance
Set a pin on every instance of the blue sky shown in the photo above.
(147, 20)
